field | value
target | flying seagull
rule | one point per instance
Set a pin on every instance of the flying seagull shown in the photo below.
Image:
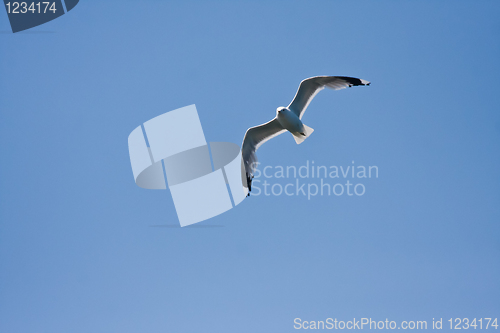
(289, 118)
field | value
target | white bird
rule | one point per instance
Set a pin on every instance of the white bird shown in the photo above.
(289, 118)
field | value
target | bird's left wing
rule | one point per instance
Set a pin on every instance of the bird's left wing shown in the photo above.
(254, 138)
(310, 87)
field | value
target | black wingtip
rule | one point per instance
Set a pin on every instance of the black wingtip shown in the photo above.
(352, 81)
(249, 183)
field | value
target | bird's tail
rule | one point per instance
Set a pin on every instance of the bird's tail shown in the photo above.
(300, 137)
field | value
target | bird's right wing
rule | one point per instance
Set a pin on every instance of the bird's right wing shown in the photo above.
(254, 138)
(310, 87)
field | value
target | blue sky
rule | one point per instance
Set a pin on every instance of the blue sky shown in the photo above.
(83, 249)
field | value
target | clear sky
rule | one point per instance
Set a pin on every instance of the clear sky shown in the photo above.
(83, 249)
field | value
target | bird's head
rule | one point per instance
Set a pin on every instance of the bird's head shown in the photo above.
(280, 109)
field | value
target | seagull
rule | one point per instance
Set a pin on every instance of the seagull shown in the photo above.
(289, 118)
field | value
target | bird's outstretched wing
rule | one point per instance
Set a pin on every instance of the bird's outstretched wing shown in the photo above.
(310, 87)
(254, 138)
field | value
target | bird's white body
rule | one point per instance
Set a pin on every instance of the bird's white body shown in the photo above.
(290, 121)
